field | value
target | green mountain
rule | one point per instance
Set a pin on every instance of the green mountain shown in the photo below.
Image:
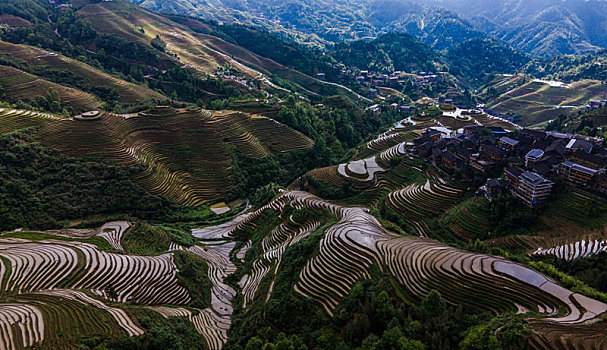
(539, 27)
(388, 53)
(331, 21)
(168, 182)
(474, 59)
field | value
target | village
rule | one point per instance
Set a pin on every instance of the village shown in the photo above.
(524, 162)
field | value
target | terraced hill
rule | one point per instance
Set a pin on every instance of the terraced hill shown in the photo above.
(185, 154)
(39, 58)
(356, 240)
(14, 119)
(60, 290)
(201, 51)
(537, 101)
(21, 86)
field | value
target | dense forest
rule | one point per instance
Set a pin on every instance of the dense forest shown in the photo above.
(388, 53)
(474, 59)
(42, 189)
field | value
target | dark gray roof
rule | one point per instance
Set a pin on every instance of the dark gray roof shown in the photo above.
(515, 171)
(511, 142)
(533, 178)
(581, 145)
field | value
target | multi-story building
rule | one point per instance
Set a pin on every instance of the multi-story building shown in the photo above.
(577, 174)
(589, 160)
(532, 188)
(507, 144)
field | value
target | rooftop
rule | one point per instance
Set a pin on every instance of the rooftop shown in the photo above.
(579, 167)
(533, 178)
(511, 142)
(535, 154)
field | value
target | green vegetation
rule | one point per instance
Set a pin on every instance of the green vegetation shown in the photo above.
(193, 275)
(161, 333)
(145, 239)
(509, 216)
(476, 58)
(41, 189)
(589, 271)
(591, 123)
(388, 53)
(568, 281)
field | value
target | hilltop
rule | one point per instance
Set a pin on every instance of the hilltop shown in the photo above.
(542, 28)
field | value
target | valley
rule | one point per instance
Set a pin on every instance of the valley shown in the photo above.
(268, 175)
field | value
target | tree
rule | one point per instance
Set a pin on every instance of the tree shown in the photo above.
(159, 44)
(432, 306)
(602, 282)
(56, 107)
(111, 293)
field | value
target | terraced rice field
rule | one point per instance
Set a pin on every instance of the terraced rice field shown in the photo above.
(21, 326)
(213, 322)
(536, 101)
(272, 247)
(454, 124)
(419, 264)
(122, 319)
(60, 286)
(576, 206)
(21, 86)
(14, 119)
(468, 220)
(416, 203)
(572, 251)
(112, 232)
(328, 175)
(385, 141)
(487, 121)
(49, 264)
(36, 57)
(361, 170)
(550, 335)
(173, 147)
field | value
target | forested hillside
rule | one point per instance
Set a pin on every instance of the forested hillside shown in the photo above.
(540, 27)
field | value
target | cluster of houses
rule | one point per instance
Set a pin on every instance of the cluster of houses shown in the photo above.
(530, 159)
(395, 79)
(596, 104)
(60, 4)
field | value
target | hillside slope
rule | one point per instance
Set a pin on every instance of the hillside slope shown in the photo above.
(21, 86)
(52, 64)
(202, 51)
(185, 155)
